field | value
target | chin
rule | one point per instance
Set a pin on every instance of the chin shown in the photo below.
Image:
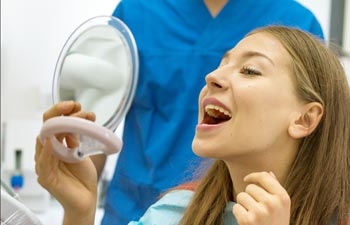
(203, 150)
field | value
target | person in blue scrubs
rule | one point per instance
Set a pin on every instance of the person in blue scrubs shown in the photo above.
(178, 43)
(274, 116)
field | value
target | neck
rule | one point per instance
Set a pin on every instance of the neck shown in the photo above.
(215, 6)
(276, 161)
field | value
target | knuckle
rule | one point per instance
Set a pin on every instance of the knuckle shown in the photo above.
(285, 199)
(270, 204)
(44, 116)
(264, 174)
(282, 200)
(41, 181)
(240, 196)
(261, 210)
(250, 188)
(45, 181)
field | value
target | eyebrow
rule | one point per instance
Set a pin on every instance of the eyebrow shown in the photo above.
(250, 54)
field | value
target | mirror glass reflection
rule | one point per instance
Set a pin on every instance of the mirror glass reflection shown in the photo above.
(98, 67)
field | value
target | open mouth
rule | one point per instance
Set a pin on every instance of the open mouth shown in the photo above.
(214, 114)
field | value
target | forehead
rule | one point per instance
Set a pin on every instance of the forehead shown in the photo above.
(261, 44)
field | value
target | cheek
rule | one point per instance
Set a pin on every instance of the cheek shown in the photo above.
(263, 99)
(262, 112)
(251, 100)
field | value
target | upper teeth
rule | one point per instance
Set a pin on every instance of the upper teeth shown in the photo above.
(218, 108)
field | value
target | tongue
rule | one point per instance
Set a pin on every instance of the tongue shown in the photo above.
(215, 120)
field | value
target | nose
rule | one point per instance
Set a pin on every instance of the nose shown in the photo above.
(216, 80)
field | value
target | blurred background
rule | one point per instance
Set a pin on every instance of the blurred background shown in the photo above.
(32, 35)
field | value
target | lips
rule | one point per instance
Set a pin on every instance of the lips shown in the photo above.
(214, 112)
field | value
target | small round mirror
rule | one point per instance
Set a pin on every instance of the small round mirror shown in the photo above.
(98, 67)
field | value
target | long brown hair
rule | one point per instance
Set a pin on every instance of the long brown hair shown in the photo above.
(319, 178)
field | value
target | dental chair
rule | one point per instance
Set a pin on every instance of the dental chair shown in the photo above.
(13, 212)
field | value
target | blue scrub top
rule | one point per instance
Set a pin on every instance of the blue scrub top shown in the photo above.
(179, 43)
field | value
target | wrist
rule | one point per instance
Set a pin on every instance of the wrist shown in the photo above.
(81, 214)
(71, 219)
(79, 218)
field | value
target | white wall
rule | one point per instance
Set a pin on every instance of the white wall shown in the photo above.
(322, 11)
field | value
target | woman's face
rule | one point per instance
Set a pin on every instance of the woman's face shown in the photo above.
(248, 101)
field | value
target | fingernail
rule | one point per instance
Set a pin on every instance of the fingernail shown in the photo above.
(272, 174)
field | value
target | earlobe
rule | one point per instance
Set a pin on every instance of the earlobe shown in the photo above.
(306, 121)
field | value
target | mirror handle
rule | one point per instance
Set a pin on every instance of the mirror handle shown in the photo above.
(109, 142)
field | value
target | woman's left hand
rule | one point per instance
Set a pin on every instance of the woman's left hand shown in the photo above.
(264, 201)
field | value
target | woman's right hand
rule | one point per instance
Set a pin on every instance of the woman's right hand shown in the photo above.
(264, 201)
(74, 185)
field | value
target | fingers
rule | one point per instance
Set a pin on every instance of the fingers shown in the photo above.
(85, 115)
(264, 201)
(68, 108)
(46, 165)
(46, 162)
(241, 214)
(91, 116)
(256, 192)
(72, 140)
(247, 201)
(38, 149)
(62, 108)
(267, 181)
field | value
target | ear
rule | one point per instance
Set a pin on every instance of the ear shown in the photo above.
(306, 121)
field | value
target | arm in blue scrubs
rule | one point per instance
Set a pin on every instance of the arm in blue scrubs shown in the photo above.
(179, 42)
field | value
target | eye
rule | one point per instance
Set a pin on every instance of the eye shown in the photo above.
(248, 70)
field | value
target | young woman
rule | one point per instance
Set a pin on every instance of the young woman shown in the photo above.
(179, 42)
(275, 116)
